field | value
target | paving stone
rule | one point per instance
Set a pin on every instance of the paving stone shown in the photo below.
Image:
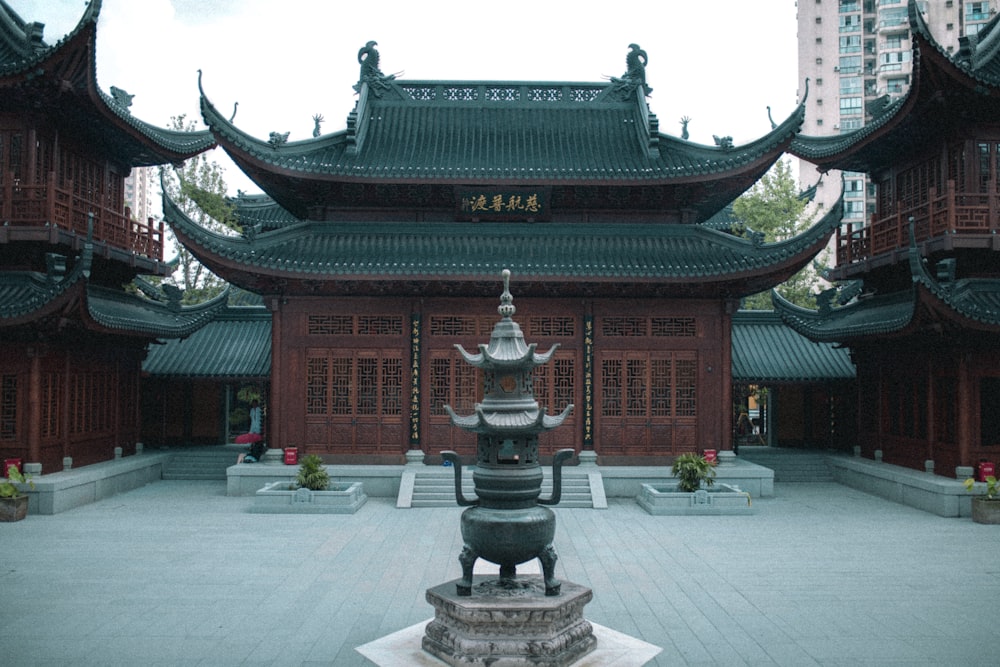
(176, 572)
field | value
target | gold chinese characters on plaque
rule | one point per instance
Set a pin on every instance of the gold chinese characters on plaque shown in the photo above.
(525, 205)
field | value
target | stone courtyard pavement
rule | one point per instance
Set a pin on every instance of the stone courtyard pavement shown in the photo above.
(177, 573)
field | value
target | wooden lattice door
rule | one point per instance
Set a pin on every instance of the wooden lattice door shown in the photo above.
(354, 401)
(647, 402)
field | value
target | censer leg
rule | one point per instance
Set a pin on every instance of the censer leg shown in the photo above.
(468, 560)
(548, 558)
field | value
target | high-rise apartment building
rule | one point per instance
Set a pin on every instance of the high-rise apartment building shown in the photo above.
(138, 193)
(855, 55)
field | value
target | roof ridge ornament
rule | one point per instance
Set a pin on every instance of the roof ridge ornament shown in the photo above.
(370, 73)
(634, 76)
(506, 307)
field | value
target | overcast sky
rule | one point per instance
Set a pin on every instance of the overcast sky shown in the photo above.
(721, 62)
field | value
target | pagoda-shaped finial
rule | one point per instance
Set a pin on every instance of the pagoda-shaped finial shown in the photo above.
(506, 307)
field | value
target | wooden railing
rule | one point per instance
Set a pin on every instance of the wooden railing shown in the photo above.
(36, 205)
(942, 214)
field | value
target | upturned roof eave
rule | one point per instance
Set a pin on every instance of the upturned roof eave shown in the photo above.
(148, 144)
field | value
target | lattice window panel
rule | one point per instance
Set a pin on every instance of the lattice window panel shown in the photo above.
(636, 378)
(661, 386)
(51, 386)
(454, 382)
(92, 402)
(611, 387)
(317, 381)
(330, 325)
(460, 326)
(420, 93)
(553, 383)
(461, 94)
(686, 381)
(673, 327)
(583, 94)
(624, 326)
(503, 94)
(380, 325)
(365, 384)
(8, 407)
(545, 94)
(552, 326)
(354, 325)
(646, 386)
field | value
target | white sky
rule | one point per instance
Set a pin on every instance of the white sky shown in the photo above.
(721, 62)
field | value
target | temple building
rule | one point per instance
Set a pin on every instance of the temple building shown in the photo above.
(380, 246)
(920, 305)
(73, 338)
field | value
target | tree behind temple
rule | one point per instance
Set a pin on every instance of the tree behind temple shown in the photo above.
(774, 208)
(199, 190)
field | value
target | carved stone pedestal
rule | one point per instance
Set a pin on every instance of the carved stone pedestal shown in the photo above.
(509, 623)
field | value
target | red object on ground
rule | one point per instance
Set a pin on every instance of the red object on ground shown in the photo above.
(291, 456)
(711, 455)
(987, 469)
(11, 463)
(247, 438)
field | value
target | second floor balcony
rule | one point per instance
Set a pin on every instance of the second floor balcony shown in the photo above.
(947, 220)
(34, 212)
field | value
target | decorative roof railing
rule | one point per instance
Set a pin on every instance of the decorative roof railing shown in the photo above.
(49, 205)
(943, 214)
(515, 93)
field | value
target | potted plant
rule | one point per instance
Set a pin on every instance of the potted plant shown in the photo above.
(14, 502)
(312, 475)
(691, 471)
(985, 508)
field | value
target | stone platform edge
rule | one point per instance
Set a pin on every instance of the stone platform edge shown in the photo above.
(384, 481)
(925, 491)
(68, 489)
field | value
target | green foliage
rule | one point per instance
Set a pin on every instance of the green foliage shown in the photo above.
(992, 488)
(691, 471)
(199, 190)
(312, 474)
(8, 488)
(773, 207)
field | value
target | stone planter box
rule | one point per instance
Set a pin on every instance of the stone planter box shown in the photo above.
(665, 499)
(985, 511)
(282, 498)
(13, 509)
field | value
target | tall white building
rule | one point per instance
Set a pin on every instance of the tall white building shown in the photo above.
(139, 193)
(856, 56)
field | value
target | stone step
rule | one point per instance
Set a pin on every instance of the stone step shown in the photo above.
(789, 465)
(199, 464)
(436, 488)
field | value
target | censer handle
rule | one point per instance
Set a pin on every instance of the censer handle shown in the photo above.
(456, 462)
(557, 462)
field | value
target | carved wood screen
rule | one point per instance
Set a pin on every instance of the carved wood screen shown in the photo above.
(9, 424)
(647, 402)
(354, 401)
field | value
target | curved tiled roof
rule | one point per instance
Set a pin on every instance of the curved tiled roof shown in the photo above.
(970, 77)
(973, 302)
(766, 350)
(473, 133)
(364, 251)
(28, 296)
(874, 316)
(24, 60)
(120, 312)
(235, 345)
(510, 141)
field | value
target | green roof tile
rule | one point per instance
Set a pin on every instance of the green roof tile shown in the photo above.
(235, 345)
(766, 350)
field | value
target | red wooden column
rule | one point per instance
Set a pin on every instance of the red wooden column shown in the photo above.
(964, 410)
(726, 371)
(35, 406)
(276, 427)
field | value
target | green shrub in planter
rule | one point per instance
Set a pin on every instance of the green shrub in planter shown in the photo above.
(312, 474)
(691, 470)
